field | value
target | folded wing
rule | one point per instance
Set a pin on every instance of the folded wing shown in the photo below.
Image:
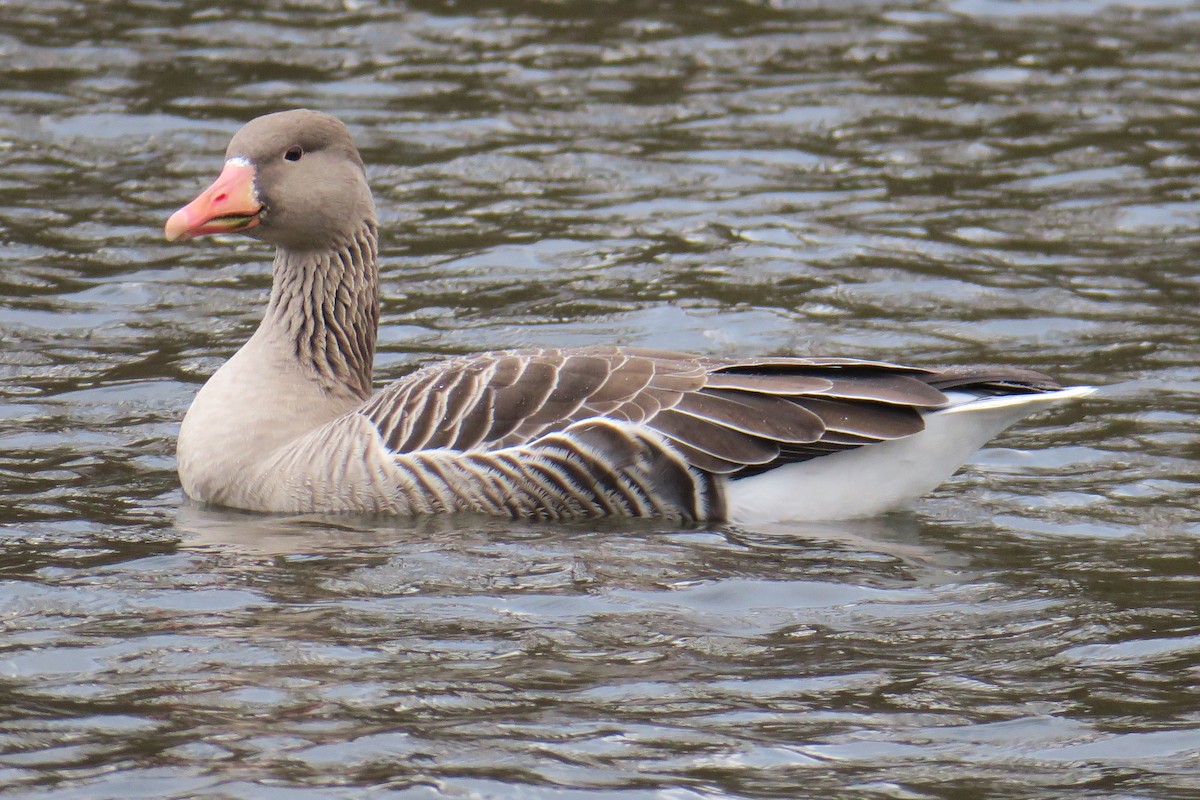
(727, 417)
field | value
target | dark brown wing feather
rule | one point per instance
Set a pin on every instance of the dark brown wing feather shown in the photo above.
(730, 417)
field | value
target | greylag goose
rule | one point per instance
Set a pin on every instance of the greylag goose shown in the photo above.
(290, 424)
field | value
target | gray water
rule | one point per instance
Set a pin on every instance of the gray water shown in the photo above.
(930, 182)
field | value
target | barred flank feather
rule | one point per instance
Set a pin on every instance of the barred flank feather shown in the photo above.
(592, 469)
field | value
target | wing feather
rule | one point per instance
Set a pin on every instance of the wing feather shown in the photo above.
(778, 384)
(882, 387)
(725, 417)
(524, 396)
(766, 416)
(715, 439)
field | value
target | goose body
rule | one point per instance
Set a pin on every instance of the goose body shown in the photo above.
(289, 423)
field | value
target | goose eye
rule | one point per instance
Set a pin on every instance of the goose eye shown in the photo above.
(293, 153)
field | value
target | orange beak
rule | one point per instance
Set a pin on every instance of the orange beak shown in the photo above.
(228, 206)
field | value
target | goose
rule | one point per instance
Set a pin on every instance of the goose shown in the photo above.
(291, 424)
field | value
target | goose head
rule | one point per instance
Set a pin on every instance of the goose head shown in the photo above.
(293, 179)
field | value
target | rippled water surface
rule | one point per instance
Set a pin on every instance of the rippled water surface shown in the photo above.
(930, 182)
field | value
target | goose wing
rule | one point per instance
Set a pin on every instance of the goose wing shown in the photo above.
(725, 416)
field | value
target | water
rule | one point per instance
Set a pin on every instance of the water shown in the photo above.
(937, 183)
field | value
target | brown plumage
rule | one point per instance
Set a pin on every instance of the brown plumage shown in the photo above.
(288, 424)
(727, 416)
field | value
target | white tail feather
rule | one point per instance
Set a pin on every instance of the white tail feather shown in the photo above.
(872, 479)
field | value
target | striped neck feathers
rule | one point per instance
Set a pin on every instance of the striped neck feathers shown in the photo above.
(326, 305)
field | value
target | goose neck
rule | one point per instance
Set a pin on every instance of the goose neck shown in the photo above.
(325, 306)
